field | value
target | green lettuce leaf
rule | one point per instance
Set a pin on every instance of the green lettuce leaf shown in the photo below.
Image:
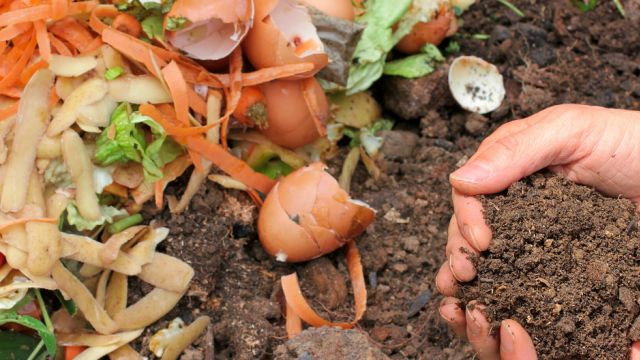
(152, 27)
(379, 37)
(124, 141)
(108, 214)
(416, 65)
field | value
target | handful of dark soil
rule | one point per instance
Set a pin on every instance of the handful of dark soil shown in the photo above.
(565, 263)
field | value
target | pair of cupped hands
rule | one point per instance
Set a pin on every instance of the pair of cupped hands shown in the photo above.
(588, 145)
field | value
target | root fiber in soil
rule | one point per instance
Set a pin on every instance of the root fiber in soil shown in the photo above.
(564, 263)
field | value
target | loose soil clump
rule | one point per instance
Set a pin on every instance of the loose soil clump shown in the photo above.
(563, 262)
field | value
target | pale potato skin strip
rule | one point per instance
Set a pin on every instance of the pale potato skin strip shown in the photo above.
(31, 123)
(93, 312)
(79, 164)
(151, 308)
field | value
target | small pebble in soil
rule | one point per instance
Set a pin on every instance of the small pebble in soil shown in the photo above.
(563, 264)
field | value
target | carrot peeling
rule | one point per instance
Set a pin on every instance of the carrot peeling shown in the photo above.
(256, 77)
(16, 70)
(59, 9)
(178, 89)
(133, 48)
(296, 301)
(230, 164)
(70, 352)
(127, 24)
(293, 323)
(42, 38)
(108, 11)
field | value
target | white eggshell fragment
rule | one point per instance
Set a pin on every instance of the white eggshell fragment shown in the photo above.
(476, 84)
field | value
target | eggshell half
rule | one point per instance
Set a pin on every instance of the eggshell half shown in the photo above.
(290, 122)
(476, 84)
(333, 220)
(283, 34)
(215, 27)
(432, 32)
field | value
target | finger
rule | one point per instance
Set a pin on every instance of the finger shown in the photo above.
(470, 220)
(478, 332)
(504, 130)
(458, 252)
(635, 351)
(452, 313)
(522, 153)
(515, 342)
(445, 282)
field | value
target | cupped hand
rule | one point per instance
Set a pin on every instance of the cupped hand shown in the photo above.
(588, 145)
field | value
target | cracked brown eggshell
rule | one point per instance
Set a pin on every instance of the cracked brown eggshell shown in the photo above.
(290, 120)
(213, 29)
(307, 215)
(283, 34)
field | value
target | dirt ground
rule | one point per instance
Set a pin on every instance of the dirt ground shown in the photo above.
(554, 54)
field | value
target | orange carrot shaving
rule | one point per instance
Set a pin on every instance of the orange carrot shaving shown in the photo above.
(235, 91)
(255, 196)
(158, 190)
(71, 351)
(71, 31)
(196, 102)
(295, 299)
(93, 45)
(59, 46)
(166, 122)
(12, 92)
(30, 70)
(11, 223)
(17, 68)
(196, 160)
(134, 49)
(293, 323)
(13, 31)
(108, 11)
(256, 77)
(28, 14)
(42, 38)
(230, 164)
(178, 89)
(127, 24)
(59, 9)
(171, 172)
(319, 117)
(81, 7)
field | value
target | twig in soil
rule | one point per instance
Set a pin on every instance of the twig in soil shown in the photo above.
(511, 7)
(620, 8)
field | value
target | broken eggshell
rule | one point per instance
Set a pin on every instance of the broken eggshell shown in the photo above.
(307, 215)
(443, 24)
(211, 29)
(476, 84)
(290, 123)
(283, 34)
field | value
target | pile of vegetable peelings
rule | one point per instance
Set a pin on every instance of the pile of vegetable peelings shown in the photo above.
(104, 103)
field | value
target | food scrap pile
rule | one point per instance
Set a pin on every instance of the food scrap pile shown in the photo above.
(102, 104)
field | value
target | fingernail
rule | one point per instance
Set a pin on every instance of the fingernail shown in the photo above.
(473, 326)
(470, 235)
(451, 308)
(472, 173)
(507, 342)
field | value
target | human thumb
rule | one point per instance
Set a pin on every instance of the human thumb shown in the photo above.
(515, 343)
(509, 159)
